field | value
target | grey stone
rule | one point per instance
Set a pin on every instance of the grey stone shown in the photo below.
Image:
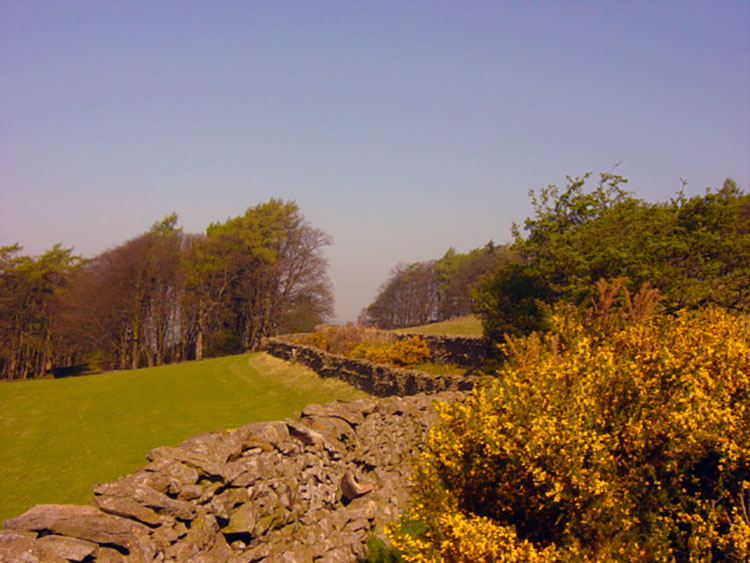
(109, 555)
(127, 508)
(351, 489)
(69, 548)
(83, 522)
(242, 520)
(146, 496)
(21, 547)
(172, 468)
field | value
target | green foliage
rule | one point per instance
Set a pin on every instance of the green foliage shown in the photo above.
(620, 439)
(695, 251)
(379, 552)
(514, 301)
(29, 299)
(164, 296)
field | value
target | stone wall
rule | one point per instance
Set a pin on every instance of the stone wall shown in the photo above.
(308, 489)
(376, 379)
(464, 351)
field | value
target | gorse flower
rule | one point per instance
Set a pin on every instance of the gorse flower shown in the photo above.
(622, 443)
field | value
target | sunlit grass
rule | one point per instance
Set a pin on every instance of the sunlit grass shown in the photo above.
(60, 437)
(469, 325)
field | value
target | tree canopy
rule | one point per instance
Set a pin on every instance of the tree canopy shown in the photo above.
(694, 250)
(164, 295)
(434, 290)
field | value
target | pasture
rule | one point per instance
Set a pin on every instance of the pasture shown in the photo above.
(58, 437)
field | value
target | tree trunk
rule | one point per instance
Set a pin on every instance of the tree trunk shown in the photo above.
(199, 344)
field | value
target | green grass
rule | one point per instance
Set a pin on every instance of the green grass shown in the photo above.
(469, 325)
(58, 437)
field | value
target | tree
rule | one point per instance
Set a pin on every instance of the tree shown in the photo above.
(408, 298)
(123, 306)
(164, 296)
(29, 289)
(257, 274)
(695, 251)
(434, 290)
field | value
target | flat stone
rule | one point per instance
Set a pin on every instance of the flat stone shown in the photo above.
(71, 549)
(252, 435)
(82, 522)
(199, 538)
(127, 508)
(190, 492)
(172, 468)
(305, 435)
(17, 547)
(147, 497)
(109, 555)
(243, 519)
(257, 553)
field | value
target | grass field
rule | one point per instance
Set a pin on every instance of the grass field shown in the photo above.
(461, 326)
(59, 437)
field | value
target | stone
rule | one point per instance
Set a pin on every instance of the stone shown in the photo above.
(109, 555)
(126, 507)
(142, 548)
(338, 555)
(158, 481)
(243, 519)
(145, 496)
(305, 435)
(200, 538)
(350, 489)
(222, 505)
(190, 492)
(256, 553)
(71, 549)
(22, 547)
(82, 522)
(258, 433)
(172, 468)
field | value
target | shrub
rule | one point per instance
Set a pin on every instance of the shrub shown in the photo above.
(341, 339)
(622, 444)
(369, 344)
(405, 353)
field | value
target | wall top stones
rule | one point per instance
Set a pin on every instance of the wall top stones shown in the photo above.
(377, 379)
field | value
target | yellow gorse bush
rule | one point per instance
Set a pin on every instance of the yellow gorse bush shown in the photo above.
(369, 344)
(405, 353)
(619, 445)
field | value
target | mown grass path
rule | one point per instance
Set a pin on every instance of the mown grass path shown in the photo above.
(60, 437)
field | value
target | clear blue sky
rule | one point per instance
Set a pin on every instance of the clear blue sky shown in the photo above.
(400, 128)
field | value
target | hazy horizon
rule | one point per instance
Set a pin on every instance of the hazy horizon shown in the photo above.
(401, 129)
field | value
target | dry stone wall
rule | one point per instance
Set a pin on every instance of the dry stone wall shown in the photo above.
(308, 489)
(464, 351)
(377, 379)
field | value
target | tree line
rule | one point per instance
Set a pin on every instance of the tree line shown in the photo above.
(434, 290)
(165, 295)
(694, 251)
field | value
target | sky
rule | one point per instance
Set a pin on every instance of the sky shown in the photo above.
(399, 128)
